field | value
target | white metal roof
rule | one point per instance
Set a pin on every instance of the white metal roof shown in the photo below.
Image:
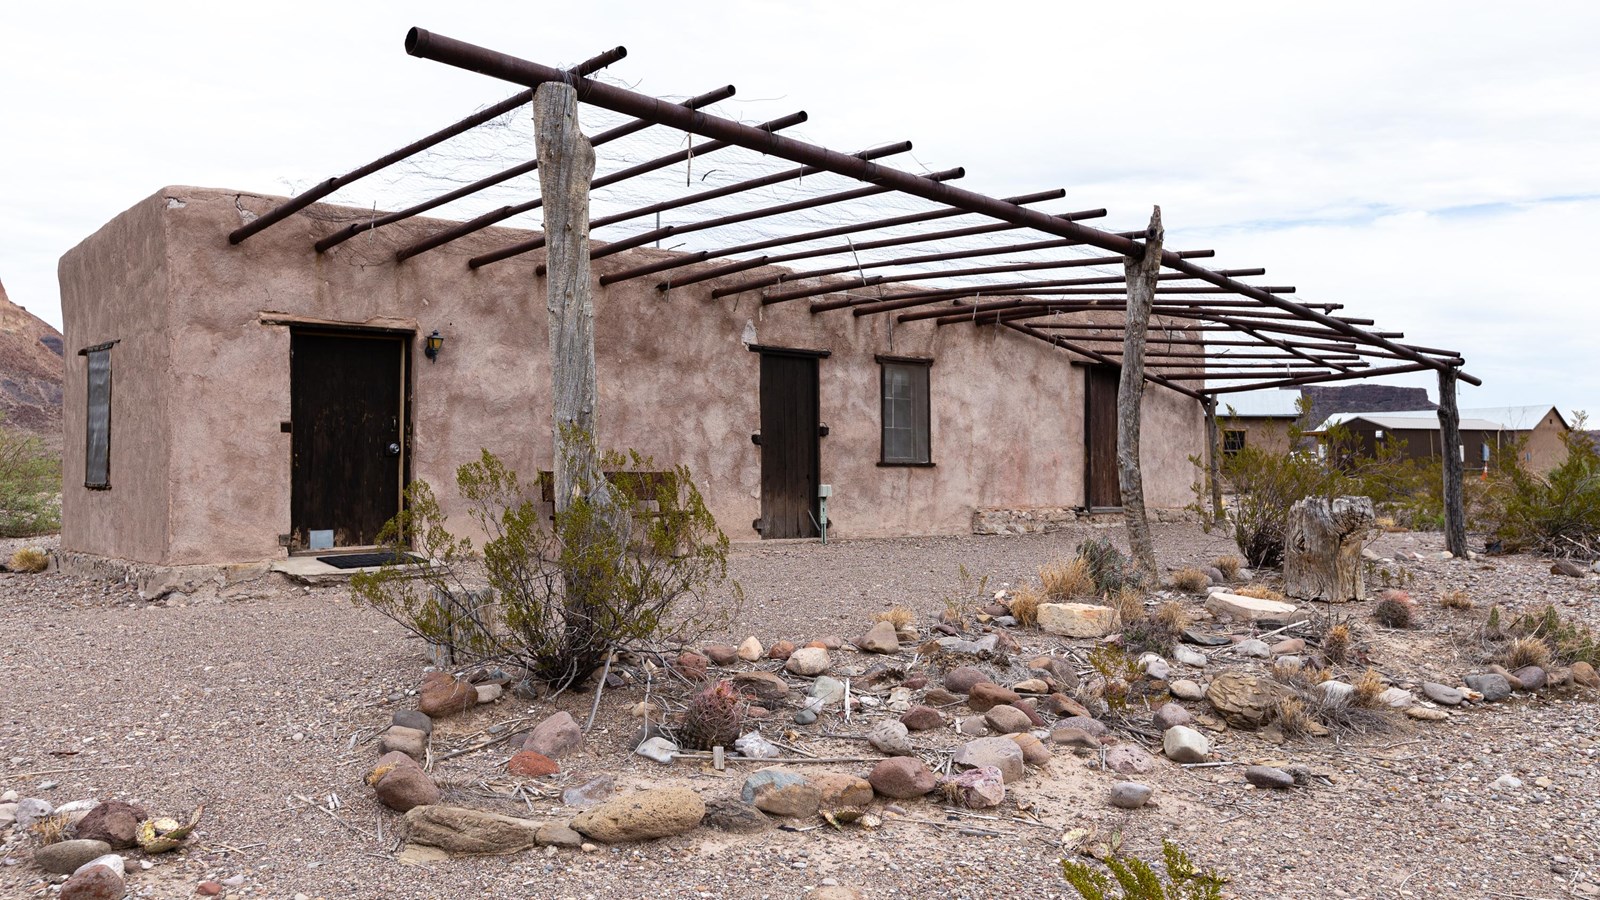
(1516, 418)
(1420, 420)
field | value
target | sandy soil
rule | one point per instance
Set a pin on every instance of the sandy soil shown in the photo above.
(251, 703)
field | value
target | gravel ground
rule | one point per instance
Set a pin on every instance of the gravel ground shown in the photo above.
(250, 703)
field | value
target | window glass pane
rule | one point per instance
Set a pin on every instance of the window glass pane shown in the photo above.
(905, 413)
(97, 469)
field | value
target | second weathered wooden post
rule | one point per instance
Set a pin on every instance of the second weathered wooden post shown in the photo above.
(1455, 513)
(1141, 277)
(566, 163)
(1214, 459)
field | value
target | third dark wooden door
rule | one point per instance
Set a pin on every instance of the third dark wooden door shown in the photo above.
(348, 423)
(1101, 488)
(790, 428)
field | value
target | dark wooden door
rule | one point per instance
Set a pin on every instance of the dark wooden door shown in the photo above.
(348, 424)
(790, 428)
(1101, 488)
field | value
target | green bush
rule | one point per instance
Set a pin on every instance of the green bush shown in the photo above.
(1557, 513)
(1108, 567)
(30, 486)
(1137, 880)
(629, 565)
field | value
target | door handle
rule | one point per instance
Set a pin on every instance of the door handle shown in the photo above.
(392, 450)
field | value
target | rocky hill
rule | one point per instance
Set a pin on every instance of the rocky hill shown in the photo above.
(31, 367)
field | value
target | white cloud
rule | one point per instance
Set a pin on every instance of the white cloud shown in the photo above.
(1342, 146)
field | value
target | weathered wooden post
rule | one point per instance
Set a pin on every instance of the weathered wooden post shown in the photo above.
(1214, 458)
(566, 163)
(1322, 551)
(1141, 274)
(1455, 512)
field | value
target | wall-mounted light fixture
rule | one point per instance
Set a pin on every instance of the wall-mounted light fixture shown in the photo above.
(431, 345)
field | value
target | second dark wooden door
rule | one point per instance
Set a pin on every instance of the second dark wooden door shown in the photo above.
(1101, 488)
(790, 426)
(346, 404)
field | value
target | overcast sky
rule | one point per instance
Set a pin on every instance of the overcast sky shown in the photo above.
(1435, 166)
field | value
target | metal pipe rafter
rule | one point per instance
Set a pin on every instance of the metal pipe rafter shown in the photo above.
(928, 297)
(1099, 357)
(661, 162)
(601, 139)
(293, 205)
(854, 228)
(731, 219)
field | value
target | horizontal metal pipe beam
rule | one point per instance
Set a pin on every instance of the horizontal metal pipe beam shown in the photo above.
(1316, 379)
(601, 139)
(865, 281)
(924, 298)
(859, 265)
(1100, 357)
(855, 228)
(704, 224)
(317, 192)
(660, 162)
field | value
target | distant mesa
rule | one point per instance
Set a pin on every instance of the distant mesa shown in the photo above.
(31, 368)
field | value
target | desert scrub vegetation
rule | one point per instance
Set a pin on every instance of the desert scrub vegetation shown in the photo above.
(1134, 879)
(1557, 513)
(30, 485)
(1228, 565)
(631, 564)
(1539, 634)
(1025, 603)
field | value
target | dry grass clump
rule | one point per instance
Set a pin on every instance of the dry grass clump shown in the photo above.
(1293, 718)
(52, 828)
(1367, 690)
(1455, 600)
(30, 560)
(1336, 643)
(1393, 613)
(1344, 715)
(1025, 604)
(1191, 579)
(1228, 565)
(1298, 675)
(1172, 616)
(1261, 592)
(1128, 603)
(1527, 651)
(1067, 580)
(898, 616)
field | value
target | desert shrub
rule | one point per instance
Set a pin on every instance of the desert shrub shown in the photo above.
(625, 566)
(1173, 616)
(1108, 567)
(30, 486)
(1137, 880)
(898, 616)
(1557, 513)
(29, 559)
(1025, 604)
(1191, 580)
(1392, 612)
(1067, 580)
(1228, 565)
(1343, 715)
(1455, 600)
(1119, 671)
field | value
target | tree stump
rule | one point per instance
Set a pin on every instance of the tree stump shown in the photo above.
(1322, 555)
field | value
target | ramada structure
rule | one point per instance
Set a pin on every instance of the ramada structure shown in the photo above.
(251, 377)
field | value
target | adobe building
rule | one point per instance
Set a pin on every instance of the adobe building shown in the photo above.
(238, 403)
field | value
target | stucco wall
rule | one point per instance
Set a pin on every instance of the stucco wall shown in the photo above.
(1545, 448)
(113, 288)
(676, 381)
